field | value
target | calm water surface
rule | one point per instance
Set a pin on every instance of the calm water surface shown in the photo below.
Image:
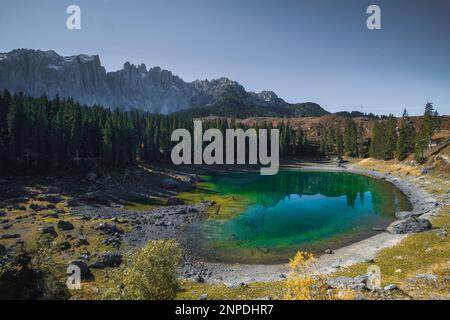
(294, 210)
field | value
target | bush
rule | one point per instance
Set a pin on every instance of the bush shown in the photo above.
(33, 274)
(148, 273)
(302, 284)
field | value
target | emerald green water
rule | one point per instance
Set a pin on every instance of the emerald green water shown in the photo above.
(291, 211)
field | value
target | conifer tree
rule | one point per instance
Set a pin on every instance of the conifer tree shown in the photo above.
(406, 137)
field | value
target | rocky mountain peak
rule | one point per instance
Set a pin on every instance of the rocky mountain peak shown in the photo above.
(134, 87)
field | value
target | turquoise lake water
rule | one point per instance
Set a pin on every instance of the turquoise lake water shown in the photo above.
(294, 210)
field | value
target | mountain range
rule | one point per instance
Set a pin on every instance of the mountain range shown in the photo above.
(134, 87)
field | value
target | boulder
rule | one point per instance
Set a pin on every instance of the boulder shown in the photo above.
(199, 279)
(82, 242)
(441, 232)
(50, 198)
(401, 215)
(358, 282)
(108, 228)
(49, 230)
(390, 288)
(169, 183)
(91, 176)
(54, 189)
(113, 241)
(425, 170)
(52, 215)
(3, 250)
(339, 160)
(425, 277)
(10, 236)
(173, 201)
(108, 260)
(37, 207)
(65, 225)
(85, 272)
(410, 225)
(63, 246)
(95, 196)
(72, 203)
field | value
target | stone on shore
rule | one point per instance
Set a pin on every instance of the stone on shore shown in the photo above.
(173, 201)
(410, 225)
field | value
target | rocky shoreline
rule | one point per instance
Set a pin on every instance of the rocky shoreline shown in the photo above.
(103, 208)
(168, 222)
(425, 206)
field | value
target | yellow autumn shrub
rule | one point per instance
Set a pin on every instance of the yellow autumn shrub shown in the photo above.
(149, 273)
(303, 283)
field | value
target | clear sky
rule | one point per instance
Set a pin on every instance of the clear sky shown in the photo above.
(304, 50)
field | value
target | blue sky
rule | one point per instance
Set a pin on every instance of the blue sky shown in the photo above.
(310, 50)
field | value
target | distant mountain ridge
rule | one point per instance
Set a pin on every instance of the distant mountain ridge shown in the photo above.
(83, 78)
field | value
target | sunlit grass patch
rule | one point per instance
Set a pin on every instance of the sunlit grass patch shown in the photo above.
(254, 290)
(421, 253)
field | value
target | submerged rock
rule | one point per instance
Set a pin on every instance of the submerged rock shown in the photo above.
(263, 250)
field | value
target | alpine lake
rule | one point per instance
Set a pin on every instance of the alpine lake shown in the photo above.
(267, 219)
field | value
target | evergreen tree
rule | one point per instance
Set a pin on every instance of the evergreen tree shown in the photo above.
(429, 125)
(406, 136)
(390, 138)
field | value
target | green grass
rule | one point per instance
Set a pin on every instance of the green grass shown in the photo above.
(252, 291)
(419, 253)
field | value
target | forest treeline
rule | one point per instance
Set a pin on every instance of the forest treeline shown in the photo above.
(390, 138)
(41, 135)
